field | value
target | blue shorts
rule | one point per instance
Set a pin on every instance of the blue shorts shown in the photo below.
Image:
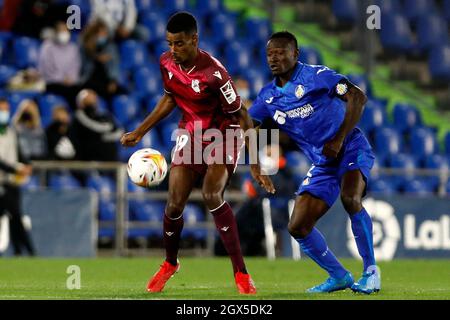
(324, 181)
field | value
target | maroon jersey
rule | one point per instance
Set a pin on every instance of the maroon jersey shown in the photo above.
(204, 93)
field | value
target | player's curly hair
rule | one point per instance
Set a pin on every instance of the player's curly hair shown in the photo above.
(285, 35)
(182, 22)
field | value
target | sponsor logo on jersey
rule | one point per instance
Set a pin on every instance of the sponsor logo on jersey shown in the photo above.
(228, 92)
(269, 101)
(302, 112)
(299, 91)
(280, 117)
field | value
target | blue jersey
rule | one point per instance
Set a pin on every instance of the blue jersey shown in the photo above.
(307, 108)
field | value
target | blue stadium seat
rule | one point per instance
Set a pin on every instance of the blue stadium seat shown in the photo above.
(436, 161)
(406, 117)
(389, 6)
(237, 57)
(382, 186)
(133, 54)
(256, 80)
(224, 28)
(406, 162)
(125, 109)
(107, 210)
(46, 104)
(439, 63)
(373, 116)
(155, 23)
(310, 55)
(362, 82)
(105, 186)
(207, 7)
(432, 30)
(193, 214)
(172, 6)
(209, 46)
(396, 35)
(31, 184)
(446, 9)
(147, 211)
(346, 10)
(26, 52)
(423, 142)
(447, 143)
(6, 73)
(387, 141)
(147, 82)
(257, 29)
(413, 9)
(419, 187)
(145, 5)
(16, 98)
(63, 181)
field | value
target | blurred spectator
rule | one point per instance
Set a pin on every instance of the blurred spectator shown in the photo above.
(27, 80)
(95, 135)
(14, 170)
(27, 123)
(59, 143)
(119, 16)
(60, 64)
(243, 89)
(100, 60)
(35, 16)
(8, 14)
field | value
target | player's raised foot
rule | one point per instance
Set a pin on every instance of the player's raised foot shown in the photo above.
(244, 283)
(165, 272)
(368, 283)
(333, 284)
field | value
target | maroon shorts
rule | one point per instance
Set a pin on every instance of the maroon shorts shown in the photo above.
(199, 155)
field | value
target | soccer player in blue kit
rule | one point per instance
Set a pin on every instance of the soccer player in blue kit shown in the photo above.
(318, 109)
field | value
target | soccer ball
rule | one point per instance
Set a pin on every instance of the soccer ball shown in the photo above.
(147, 167)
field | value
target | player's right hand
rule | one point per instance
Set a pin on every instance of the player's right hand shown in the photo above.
(130, 139)
(263, 180)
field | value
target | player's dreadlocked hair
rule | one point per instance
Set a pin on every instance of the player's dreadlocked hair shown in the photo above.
(182, 22)
(285, 35)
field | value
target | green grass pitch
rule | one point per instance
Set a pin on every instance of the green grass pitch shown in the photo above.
(211, 278)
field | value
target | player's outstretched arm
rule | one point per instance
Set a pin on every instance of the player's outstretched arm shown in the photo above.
(356, 99)
(263, 180)
(165, 106)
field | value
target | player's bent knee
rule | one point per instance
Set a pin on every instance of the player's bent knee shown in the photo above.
(174, 210)
(299, 231)
(212, 199)
(351, 203)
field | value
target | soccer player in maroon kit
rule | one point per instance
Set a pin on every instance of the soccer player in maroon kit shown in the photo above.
(200, 86)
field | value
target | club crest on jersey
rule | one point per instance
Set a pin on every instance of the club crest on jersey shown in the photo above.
(299, 91)
(196, 85)
(341, 89)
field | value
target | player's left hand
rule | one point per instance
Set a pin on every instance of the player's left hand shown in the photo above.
(332, 148)
(263, 180)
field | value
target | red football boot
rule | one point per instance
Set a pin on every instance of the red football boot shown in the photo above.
(165, 272)
(244, 283)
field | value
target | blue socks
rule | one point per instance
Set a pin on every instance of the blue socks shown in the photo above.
(315, 247)
(362, 230)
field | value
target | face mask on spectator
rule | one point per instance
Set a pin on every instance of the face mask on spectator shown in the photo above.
(101, 41)
(4, 117)
(63, 37)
